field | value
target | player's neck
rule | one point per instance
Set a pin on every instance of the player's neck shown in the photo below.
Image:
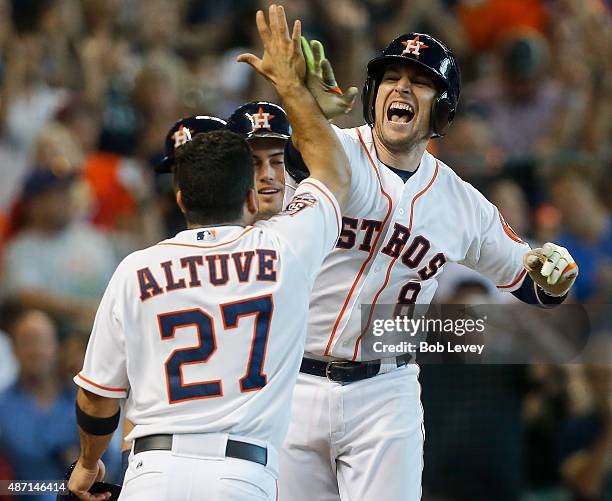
(408, 159)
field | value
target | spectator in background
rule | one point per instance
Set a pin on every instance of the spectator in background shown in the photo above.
(470, 148)
(586, 435)
(37, 422)
(485, 21)
(73, 348)
(109, 67)
(55, 263)
(119, 188)
(586, 232)
(512, 203)
(521, 102)
(27, 101)
(545, 407)
(156, 99)
(56, 148)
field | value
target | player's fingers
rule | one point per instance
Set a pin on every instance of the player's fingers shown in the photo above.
(327, 73)
(550, 264)
(308, 56)
(319, 56)
(349, 97)
(87, 496)
(99, 497)
(318, 49)
(262, 27)
(532, 260)
(296, 35)
(251, 59)
(557, 271)
(571, 271)
(273, 20)
(283, 28)
(548, 248)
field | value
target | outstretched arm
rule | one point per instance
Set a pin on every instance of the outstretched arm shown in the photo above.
(284, 66)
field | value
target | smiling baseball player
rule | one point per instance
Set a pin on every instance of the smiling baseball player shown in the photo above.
(207, 328)
(266, 128)
(356, 428)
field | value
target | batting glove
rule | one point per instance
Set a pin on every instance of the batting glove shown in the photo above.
(322, 84)
(551, 267)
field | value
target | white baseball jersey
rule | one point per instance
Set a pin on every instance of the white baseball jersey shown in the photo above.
(396, 238)
(207, 328)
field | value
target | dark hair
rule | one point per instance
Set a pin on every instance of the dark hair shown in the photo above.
(27, 14)
(214, 172)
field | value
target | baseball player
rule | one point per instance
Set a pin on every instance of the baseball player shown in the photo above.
(266, 128)
(207, 328)
(181, 132)
(356, 428)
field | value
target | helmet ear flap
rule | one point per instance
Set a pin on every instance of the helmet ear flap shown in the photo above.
(368, 96)
(442, 114)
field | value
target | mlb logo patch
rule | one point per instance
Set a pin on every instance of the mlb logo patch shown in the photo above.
(300, 202)
(207, 235)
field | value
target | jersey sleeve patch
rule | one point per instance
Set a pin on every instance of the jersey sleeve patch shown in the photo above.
(299, 203)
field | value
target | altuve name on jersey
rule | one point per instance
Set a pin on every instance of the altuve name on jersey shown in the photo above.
(216, 269)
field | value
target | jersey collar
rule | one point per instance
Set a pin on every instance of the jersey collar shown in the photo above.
(207, 235)
(421, 175)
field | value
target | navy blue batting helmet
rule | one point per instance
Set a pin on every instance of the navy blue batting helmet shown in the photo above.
(432, 55)
(183, 131)
(260, 119)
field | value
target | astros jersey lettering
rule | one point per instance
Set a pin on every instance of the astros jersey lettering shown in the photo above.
(206, 329)
(395, 240)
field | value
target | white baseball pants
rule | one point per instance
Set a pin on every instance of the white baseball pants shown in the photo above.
(196, 469)
(361, 441)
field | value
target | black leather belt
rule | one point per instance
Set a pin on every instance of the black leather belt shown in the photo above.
(347, 372)
(234, 448)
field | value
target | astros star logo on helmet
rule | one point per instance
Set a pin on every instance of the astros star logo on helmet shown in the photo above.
(181, 136)
(261, 120)
(414, 47)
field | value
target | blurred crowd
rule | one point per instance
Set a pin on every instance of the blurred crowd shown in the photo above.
(88, 90)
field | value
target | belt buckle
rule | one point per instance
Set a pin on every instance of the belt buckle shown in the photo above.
(334, 363)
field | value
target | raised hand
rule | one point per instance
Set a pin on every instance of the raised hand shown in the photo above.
(282, 62)
(322, 84)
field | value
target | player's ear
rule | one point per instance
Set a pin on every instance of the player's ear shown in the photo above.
(179, 201)
(251, 203)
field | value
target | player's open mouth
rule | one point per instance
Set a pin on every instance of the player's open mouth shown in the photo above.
(268, 191)
(400, 113)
